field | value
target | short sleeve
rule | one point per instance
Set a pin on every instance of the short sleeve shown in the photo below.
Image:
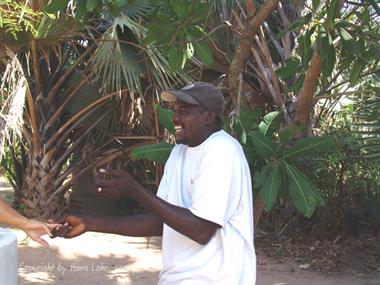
(163, 188)
(214, 195)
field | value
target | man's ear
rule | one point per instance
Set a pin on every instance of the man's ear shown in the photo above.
(210, 117)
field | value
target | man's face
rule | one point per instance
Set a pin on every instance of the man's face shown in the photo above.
(190, 123)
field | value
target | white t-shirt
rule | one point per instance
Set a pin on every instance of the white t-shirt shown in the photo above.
(213, 181)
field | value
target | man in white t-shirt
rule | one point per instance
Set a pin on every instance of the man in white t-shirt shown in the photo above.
(203, 207)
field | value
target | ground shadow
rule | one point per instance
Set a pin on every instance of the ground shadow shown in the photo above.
(101, 259)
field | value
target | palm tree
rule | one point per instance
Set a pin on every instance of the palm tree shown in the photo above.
(62, 63)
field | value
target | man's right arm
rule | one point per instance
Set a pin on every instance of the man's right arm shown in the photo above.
(138, 225)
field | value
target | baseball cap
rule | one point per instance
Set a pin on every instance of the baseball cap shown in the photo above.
(198, 93)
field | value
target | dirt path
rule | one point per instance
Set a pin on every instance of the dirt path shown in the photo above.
(106, 259)
(95, 258)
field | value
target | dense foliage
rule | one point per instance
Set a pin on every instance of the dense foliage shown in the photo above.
(90, 73)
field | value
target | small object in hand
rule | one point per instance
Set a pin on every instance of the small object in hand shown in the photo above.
(59, 230)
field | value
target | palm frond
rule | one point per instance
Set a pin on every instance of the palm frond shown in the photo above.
(117, 61)
(138, 9)
(13, 91)
(368, 123)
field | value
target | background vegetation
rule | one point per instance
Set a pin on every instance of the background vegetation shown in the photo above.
(81, 83)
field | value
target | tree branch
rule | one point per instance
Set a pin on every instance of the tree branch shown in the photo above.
(306, 97)
(243, 49)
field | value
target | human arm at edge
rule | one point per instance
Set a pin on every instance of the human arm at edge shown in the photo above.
(178, 218)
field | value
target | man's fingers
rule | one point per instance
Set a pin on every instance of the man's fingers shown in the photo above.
(47, 229)
(66, 230)
(114, 172)
(105, 183)
(59, 230)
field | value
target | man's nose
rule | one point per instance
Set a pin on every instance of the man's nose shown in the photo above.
(175, 118)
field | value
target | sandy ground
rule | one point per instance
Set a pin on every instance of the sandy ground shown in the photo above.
(96, 258)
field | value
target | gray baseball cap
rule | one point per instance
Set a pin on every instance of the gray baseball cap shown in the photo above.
(198, 93)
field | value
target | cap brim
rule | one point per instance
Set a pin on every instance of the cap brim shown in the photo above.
(171, 96)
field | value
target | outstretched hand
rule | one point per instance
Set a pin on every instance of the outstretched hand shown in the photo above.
(71, 226)
(119, 185)
(35, 229)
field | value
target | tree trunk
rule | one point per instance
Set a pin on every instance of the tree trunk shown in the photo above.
(40, 198)
(305, 102)
(258, 209)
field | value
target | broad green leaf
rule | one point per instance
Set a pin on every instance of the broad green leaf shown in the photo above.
(92, 4)
(350, 49)
(264, 146)
(260, 176)
(328, 67)
(271, 187)
(287, 133)
(309, 146)
(307, 48)
(179, 9)
(332, 13)
(310, 186)
(165, 118)
(316, 4)
(300, 192)
(55, 6)
(154, 152)
(290, 68)
(271, 122)
(327, 52)
(317, 196)
(203, 51)
(283, 192)
(239, 129)
(250, 153)
(200, 11)
(295, 25)
(345, 35)
(296, 86)
(80, 11)
(176, 58)
(249, 118)
(356, 71)
(160, 32)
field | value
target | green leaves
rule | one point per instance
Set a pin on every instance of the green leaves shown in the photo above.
(327, 51)
(309, 146)
(157, 152)
(165, 118)
(303, 193)
(296, 25)
(265, 147)
(270, 122)
(290, 69)
(176, 58)
(271, 187)
(333, 10)
(177, 29)
(286, 180)
(154, 152)
(279, 177)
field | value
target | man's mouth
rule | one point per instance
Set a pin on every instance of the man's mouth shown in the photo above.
(178, 129)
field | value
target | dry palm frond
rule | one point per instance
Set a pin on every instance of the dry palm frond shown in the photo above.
(13, 92)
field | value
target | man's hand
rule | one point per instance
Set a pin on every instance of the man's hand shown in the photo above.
(35, 229)
(120, 185)
(71, 226)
